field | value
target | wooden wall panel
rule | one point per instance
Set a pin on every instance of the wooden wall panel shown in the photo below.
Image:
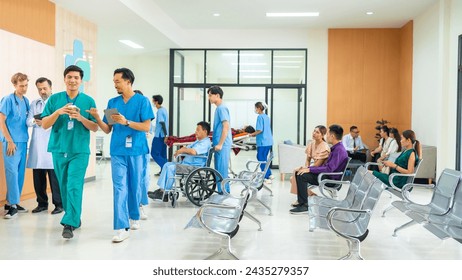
(365, 83)
(34, 19)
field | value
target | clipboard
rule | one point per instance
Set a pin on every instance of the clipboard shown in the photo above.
(108, 113)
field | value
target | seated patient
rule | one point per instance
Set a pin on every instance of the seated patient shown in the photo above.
(200, 147)
(405, 163)
(317, 153)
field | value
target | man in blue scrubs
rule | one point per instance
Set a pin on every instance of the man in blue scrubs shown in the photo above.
(128, 149)
(159, 148)
(69, 144)
(14, 109)
(222, 137)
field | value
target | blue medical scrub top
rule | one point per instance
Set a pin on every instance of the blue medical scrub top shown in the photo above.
(221, 115)
(162, 116)
(16, 111)
(265, 138)
(137, 109)
(202, 147)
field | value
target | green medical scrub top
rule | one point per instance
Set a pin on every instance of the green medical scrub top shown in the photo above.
(67, 137)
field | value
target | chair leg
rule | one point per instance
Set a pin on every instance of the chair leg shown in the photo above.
(406, 225)
(266, 206)
(387, 209)
(354, 250)
(252, 217)
(268, 189)
(224, 252)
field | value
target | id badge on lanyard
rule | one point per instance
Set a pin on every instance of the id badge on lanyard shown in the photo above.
(70, 125)
(128, 141)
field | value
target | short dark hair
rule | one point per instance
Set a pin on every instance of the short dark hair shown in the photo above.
(138, 91)
(205, 126)
(337, 130)
(215, 90)
(127, 74)
(158, 98)
(353, 127)
(42, 80)
(73, 68)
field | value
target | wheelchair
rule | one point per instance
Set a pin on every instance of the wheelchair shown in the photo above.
(197, 185)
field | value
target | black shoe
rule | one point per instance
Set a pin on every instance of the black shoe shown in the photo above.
(68, 232)
(12, 213)
(57, 210)
(21, 209)
(157, 194)
(157, 174)
(301, 209)
(39, 209)
(165, 198)
(7, 207)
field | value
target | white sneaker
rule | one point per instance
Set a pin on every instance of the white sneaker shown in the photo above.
(143, 215)
(268, 181)
(121, 235)
(134, 224)
(271, 176)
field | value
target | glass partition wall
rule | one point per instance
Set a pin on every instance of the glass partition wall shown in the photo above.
(276, 76)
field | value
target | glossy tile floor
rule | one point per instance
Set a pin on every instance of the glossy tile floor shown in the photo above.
(163, 237)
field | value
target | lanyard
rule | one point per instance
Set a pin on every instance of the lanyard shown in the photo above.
(17, 105)
(75, 99)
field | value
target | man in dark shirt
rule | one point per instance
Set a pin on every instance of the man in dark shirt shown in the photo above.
(336, 162)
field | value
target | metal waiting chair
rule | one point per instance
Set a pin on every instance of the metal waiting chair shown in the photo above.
(100, 149)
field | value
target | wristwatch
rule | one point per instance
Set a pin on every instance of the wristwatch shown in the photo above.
(128, 123)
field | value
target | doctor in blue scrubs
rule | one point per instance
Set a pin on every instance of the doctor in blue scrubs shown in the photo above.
(221, 139)
(14, 109)
(128, 149)
(159, 148)
(264, 137)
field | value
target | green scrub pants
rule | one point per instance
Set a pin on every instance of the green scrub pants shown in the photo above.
(70, 170)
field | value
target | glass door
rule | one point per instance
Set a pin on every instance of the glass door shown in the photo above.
(288, 116)
(188, 110)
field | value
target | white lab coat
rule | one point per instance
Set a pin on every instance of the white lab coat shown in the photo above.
(38, 158)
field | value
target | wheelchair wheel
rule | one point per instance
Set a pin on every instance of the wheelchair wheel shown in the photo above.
(201, 184)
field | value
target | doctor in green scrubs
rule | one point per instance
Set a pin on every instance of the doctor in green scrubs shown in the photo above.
(66, 112)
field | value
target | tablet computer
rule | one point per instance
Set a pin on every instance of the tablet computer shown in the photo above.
(108, 113)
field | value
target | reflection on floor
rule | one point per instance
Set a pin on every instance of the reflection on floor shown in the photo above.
(284, 236)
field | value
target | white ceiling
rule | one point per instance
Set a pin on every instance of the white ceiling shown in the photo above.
(162, 24)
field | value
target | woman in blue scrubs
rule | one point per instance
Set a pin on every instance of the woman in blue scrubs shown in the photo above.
(264, 137)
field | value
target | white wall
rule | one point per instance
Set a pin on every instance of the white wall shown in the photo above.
(434, 98)
(317, 79)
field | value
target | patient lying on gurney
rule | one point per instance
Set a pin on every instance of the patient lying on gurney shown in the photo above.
(200, 147)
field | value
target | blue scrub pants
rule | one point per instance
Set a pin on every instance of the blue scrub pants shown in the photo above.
(222, 164)
(15, 167)
(167, 176)
(70, 170)
(159, 151)
(145, 180)
(262, 155)
(126, 180)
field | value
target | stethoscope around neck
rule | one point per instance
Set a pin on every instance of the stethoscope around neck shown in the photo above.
(17, 105)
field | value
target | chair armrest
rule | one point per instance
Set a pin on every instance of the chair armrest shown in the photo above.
(322, 186)
(406, 190)
(258, 163)
(330, 217)
(227, 180)
(327, 174)
(369, 164)
(392, 176)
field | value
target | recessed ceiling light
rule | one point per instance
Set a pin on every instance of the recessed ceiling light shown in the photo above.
(131, 44)
(314, 14)
(369, 13)
(216, 14)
